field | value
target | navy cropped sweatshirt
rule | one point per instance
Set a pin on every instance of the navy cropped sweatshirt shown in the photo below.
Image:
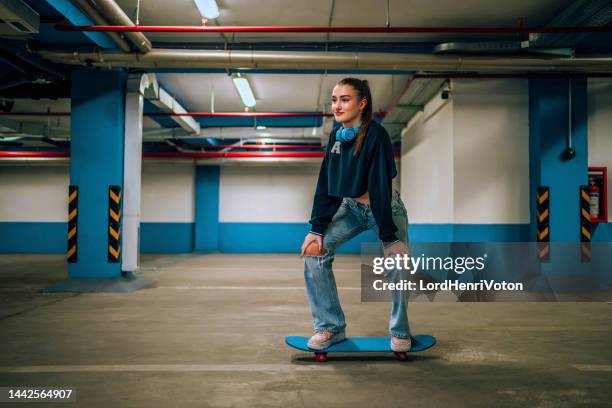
(344, 175)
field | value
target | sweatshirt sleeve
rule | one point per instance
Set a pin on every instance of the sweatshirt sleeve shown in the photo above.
(381, 171)
(324, 206)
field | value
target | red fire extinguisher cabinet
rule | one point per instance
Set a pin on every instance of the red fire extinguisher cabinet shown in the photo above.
(599, 175)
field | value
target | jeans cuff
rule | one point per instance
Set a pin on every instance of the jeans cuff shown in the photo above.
(334, 330)
(399, 335)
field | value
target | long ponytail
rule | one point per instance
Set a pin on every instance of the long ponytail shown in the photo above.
(363, 92)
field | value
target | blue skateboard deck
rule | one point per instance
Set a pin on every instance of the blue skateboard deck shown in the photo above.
(420, 342)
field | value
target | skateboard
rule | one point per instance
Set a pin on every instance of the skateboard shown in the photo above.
(420, 342)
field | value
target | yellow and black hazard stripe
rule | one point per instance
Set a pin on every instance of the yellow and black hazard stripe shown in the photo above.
(586, 226)
(543, 223)
(73, 216)
(114, 223)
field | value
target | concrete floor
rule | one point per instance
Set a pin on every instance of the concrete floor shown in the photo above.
(211, 333)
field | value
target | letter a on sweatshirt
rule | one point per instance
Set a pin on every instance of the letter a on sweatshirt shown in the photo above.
(336, 148)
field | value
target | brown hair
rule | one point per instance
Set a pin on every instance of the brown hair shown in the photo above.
(363, 92)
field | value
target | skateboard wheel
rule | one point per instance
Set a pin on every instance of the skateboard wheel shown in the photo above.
(401, 356)
(321, 357)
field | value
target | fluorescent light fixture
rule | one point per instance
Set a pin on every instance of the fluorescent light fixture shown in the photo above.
(244, 90)
(207, 8)
(261, 127)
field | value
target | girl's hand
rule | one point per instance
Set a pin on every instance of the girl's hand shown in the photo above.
(313, 245)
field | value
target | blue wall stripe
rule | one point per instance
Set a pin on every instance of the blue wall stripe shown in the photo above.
(430, 232)
(158, 237)
(255, 237)
(50, 237)
(469, 233)
(284, 237)
(33, 237)
(166, 237)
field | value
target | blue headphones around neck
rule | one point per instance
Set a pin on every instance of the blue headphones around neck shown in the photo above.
(346, 134)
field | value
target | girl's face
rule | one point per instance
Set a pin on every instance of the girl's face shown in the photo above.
(346, 106)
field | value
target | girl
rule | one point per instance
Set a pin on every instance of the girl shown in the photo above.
(354, 193)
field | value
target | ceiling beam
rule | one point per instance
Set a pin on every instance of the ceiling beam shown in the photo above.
(77, 17)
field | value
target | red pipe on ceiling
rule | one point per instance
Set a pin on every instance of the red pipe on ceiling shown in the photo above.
(250, 147)
(178, 155)
(253, 114)
(33, 155)
(210, 155)
(194, 155)
(203, 114)
(262, 146)
(328, 29)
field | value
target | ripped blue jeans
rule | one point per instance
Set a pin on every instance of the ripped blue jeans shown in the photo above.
(351, 219)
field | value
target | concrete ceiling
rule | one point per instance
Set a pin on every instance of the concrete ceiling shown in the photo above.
(300, 92)
(345, 13)
(305, 92)
(274, 92)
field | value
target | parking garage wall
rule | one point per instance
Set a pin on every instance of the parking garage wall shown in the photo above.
(464, 177)
(266, 209)
(33, 208)
(465, 164)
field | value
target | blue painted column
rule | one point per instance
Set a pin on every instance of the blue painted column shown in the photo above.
(548, 130)
(96, 151)
(207, 182)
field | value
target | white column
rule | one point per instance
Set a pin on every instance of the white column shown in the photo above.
(132, 167)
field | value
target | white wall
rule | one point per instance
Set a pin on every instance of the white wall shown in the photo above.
(168, 192)
(40, 193)
(491, 150)
(600, 128)
(466, 160)
(427, 163)
(267, 194)
(34, 194)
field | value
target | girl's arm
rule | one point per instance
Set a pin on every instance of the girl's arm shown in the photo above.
(381, 172)
(324, 206)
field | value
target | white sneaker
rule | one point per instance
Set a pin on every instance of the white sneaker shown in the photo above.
(400, 344)
(323, 339)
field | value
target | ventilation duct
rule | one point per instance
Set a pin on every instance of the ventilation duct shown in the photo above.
(486, 47)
